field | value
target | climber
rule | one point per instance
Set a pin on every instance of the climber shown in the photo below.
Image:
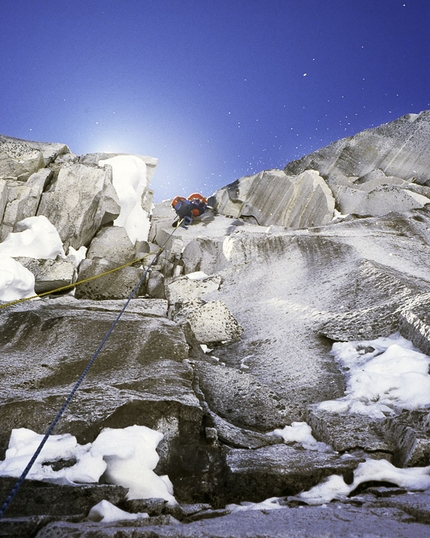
(188, 208)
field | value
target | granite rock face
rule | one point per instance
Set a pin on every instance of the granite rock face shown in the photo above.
(77, 195)
(274, 198)
(378, 170)
(230, 335)
(372, 173)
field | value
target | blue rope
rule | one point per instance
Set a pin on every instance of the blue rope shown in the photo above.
(79, 382)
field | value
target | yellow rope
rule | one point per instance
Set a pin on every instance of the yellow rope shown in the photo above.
(69, 286)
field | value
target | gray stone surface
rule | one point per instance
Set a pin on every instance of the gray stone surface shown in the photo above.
(139, 378)
(187, 289)
(213, 322)
(239, 398)
(414, 322)
(75, 203)
(112, 243)
(347, 432)
(273, 198)
(49, 274)
(116, 284)
(293, 286)
(287, 469)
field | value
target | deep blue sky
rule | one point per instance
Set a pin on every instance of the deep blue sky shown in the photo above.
(216, 89)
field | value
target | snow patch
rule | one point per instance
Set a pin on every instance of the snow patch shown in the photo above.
(16, 282)
(383, 375)
(130, 182)
(35, 237)
(106, 512)
(124, 457)
(300, 432)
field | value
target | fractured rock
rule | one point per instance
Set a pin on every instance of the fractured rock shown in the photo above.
(236, 437)
(279, 470)
(139, 378)
(373, 161)
(213, 322)
(49, 274)
(409, 433)
(240, 399)
(347, 432)
(273, 198)
(379, 201)
(40, 498)
(155, 285)
(191, 287)
(19, 159)
(390, 291)
(112, 243)
(414, 322)
(22, 200)
(116, 284)
(75, 204)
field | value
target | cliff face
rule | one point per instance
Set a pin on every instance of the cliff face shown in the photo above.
(370, 174)
(230, 335)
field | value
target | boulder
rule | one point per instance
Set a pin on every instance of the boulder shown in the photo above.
(273, 198)
(112, 243)
(18, 159)
(22, 200)
(21, 158)
(75, 203)
(115, 284)
(213, 322)
(49, 274)
(191, 287)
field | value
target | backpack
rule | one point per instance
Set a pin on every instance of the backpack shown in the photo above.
(182, 206)
(193, 206)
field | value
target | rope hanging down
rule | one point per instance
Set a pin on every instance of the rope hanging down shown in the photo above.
(80, 380)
